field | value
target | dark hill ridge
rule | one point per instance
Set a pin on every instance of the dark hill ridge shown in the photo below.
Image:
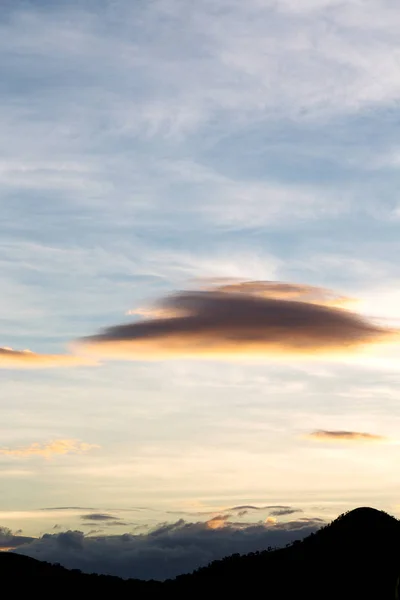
(356, 557)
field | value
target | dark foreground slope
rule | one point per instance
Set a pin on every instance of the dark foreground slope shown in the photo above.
(356, 557)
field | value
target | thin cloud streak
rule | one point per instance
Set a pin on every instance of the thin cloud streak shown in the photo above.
(54, 448)
(345, 436)
(223, 323)
(282, 512)
(99, 517)
(10, 359)
(251, 507)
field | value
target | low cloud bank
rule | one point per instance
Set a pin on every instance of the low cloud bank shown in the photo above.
(169, 550)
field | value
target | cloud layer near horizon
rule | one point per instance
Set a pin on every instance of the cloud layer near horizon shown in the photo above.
(259, 318)
(344, 436)
(8, 539)
(165, 552)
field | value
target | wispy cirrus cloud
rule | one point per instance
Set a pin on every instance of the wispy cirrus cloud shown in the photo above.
(27, 359)
(238, 73)
(53, 448)
(223, 322)
(345, 436)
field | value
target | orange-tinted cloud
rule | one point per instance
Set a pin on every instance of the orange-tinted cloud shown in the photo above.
(251, 318)
(10, 358)
(286, 291)
(263, 289)
(217, 522)
(156, 312)
(53, 448)
(344, 436)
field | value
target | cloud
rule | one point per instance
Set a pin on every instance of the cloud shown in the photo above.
(99, 517)
(218, 521)
(322, 435)
(252, 507)
(94, 531)
(10, 358)
(51, 508)
(284, 511)
(165, 552)
(10, 540)
(277, 511)
(255, 318)
(240, 510)
(105, 519)
(53, 448)
(284, 291)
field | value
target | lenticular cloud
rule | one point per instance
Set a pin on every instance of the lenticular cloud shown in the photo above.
(241, 319)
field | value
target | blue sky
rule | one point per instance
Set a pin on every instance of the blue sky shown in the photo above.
(149, 145)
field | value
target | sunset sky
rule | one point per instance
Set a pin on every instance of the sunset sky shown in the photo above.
(199, 276)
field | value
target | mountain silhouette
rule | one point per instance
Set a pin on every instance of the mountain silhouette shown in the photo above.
(356, 557)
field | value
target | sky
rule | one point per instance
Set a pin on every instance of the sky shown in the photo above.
(199, 283)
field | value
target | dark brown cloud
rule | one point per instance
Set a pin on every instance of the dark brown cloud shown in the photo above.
(99, 517)
(106, 520)
(254, 318)
(344, 436)
(281, 512)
